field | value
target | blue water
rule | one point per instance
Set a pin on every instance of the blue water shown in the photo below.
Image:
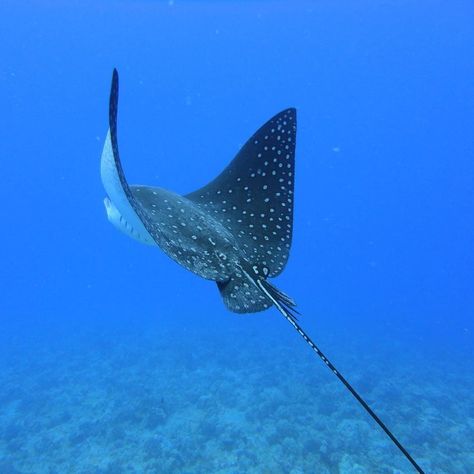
(113, 359)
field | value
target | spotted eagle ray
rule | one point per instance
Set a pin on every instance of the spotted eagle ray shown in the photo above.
(236, 230)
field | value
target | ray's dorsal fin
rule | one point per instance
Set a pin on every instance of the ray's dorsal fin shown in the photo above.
(253, 196)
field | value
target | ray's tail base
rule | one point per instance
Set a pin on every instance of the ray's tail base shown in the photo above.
(278, 296)
(285, 305)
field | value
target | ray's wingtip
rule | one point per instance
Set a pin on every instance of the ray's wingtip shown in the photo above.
(115, 78)
(289, 112)
(114, 73)
(113, 100)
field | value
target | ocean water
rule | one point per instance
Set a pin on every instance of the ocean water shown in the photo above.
(113, 359)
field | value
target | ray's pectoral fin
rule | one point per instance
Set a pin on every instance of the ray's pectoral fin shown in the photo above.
(253, 196)
(122, 209)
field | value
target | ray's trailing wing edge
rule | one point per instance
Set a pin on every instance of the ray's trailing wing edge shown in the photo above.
(236, 230)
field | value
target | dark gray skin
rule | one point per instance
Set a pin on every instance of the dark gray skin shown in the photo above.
(235, 230)
(188, 234)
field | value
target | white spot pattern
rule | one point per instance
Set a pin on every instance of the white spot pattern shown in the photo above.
(255, 197)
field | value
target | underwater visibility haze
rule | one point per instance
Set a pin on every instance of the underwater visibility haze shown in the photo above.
(113, 359)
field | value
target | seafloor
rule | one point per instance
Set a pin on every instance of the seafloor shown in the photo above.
(240, 398)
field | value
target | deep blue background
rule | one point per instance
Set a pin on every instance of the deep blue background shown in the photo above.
(384, 230)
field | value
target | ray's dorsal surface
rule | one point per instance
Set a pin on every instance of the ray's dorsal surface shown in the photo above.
(236, 230)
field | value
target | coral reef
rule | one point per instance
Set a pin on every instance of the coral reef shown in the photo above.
(225, 400)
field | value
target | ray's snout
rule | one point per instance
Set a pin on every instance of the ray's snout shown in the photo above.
(115, 218)
(109, 208)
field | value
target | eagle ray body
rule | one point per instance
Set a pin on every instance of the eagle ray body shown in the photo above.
(236, 230)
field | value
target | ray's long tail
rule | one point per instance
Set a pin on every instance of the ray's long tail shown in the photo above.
(285, 304)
